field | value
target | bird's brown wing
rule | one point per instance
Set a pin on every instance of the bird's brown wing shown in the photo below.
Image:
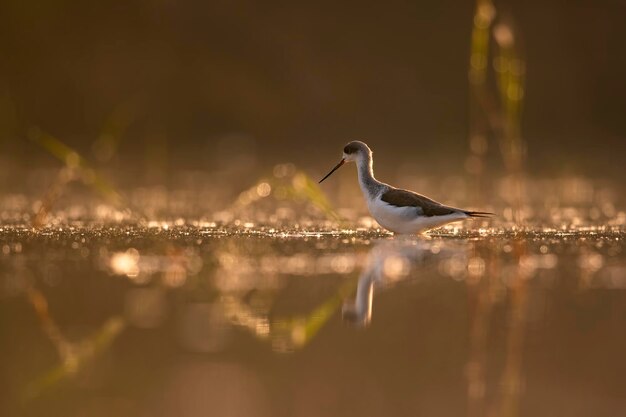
(404, 198)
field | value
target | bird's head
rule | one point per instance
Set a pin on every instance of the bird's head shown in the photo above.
(353, 152)
(356, 150)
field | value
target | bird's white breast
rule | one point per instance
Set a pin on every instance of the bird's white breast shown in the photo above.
(407, 220)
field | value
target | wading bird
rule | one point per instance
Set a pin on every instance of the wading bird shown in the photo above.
(397, 210)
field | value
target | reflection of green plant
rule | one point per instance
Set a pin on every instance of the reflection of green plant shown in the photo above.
(286, 333)
(85, 352)
(73, 355)
(296, 332)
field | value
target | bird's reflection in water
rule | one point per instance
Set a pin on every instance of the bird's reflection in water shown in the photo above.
(390, 261)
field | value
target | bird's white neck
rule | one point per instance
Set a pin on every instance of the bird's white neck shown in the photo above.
(364, 298)
(369, 185)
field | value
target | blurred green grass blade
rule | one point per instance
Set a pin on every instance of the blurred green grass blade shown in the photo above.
(75, 161)
(304, 186)
(298, 187)
(107, 144)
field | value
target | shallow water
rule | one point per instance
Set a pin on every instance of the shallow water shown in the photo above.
(193, 320)
(267, 298)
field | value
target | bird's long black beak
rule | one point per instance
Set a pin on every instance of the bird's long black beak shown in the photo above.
(343, 161)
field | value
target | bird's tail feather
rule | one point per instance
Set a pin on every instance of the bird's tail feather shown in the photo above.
(479, 213)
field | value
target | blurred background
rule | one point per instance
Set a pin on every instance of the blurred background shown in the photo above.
(165, 248)
(156, 86)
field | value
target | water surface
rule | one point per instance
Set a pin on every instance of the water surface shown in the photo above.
(191, 320)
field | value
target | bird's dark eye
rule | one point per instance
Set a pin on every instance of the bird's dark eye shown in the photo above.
(347, 150)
